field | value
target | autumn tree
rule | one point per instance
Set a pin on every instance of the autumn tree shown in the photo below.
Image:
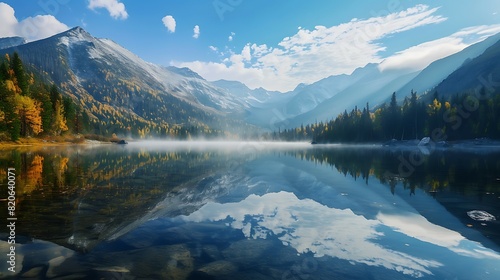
(59, 124)
(29, 115)
(11, 123)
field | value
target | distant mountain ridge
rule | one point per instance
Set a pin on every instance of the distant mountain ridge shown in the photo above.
(440, 69)
(480, 73)
(325, 99)
(9, 42)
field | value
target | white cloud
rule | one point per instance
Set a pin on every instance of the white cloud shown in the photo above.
(310, 55)
(212, 48)
(31, 28)
(116, 9)
(246, 53)
(420, 56)
(196, 32)
(231, 37)
(169, 23)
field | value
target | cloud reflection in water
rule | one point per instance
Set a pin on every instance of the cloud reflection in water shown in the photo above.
(309, 226)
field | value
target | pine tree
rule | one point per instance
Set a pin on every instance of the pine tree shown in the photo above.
(393, 119)
(4, 70)
(11, 123)
(47, 114)
(22, 78)
(69, 113)
(55, 96)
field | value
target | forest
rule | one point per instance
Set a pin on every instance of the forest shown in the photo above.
(466, 116)
(30, 108)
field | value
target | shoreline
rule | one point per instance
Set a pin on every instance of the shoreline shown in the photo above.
(52, 141)
(74, 141)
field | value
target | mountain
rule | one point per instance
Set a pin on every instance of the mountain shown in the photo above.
(325, 99)
(328, 97)
(438, 70)
(372, 86)
(250, 97)
(123, 92)
(9, 42)
(476, 74)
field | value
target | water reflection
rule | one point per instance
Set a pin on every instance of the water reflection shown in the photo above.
(308, 226)
(200, 207)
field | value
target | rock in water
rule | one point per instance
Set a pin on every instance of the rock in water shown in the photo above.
(425, 141)
(250, 252)
(162, 262)
(219, 268)
(478, 215)
(33, 273)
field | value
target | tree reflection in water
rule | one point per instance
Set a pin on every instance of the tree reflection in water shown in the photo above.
(76, 196)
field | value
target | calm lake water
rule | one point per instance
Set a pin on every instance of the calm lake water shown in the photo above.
(219, 210)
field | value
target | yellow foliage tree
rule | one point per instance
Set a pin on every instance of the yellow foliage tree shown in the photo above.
(11, 86)
(29, 112)
(59, 121)
(434, 107)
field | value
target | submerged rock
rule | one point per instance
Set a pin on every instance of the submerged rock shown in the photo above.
(212, 252)
(479, 215)
(53, 264)
(35, 272)
(4, 265)
(64, 266)
(161, 262)
(113, 269)
(219, 268)
(249, 250)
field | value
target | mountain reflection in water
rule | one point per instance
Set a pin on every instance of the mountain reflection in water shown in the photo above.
(234, 210)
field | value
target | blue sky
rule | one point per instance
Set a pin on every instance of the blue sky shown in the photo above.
(271, 44)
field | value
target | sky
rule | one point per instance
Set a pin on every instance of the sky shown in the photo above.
(271, 44)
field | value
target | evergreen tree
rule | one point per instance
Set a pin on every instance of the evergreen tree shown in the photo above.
(21, 76)
(55, 96)
(69, 113)
(393, 119)
(47, 114)
(4, 69)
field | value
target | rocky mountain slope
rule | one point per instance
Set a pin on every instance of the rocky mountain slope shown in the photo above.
(123, 92)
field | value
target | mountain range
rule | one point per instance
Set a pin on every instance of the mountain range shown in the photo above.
(327, 98)
(121, 91)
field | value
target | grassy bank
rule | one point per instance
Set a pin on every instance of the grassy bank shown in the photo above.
(57, 140)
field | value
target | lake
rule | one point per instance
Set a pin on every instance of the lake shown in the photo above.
(245, 210)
